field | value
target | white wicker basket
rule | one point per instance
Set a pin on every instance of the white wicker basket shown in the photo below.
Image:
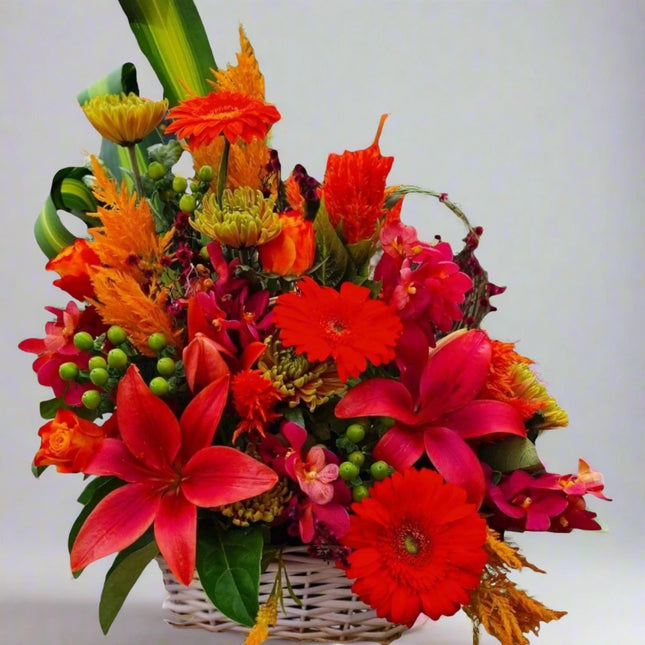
(329, 611)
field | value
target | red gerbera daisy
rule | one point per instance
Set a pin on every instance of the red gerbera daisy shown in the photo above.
(417, 547)
(348, 326)
(202, 119)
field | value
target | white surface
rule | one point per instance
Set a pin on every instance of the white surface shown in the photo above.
(528, 114)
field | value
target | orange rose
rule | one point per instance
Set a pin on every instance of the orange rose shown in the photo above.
(293, 251)
(69, 442)
(72, 265)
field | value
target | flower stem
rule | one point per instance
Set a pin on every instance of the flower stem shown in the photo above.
(135, 170)
(223, 170)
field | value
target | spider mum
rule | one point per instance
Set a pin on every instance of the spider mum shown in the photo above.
(417, 547)
(348, 326)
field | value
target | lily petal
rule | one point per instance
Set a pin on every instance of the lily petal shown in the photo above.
(221, 475)
(202, 415)
(176, 534)
(203, 362)
(114, 459)
(400, 447)
(148, 427)
(456, 461)
(484, 418)
(454, 374)
(118, 520)
(378, 397)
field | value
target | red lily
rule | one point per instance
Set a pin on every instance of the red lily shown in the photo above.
(436, 411)
(170, 468)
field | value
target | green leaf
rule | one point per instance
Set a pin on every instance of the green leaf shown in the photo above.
(122, 79)
(228, 564)
(513, 453)
(70, 193)
(49, 408)
(51, 234)
(124, 572)
(166, 154)
(360, 253)
(330, 252)
(37, 471)
(172, 36)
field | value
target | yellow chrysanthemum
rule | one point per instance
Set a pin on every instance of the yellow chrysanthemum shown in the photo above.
(124, 119)
(244, 219)
(266, 507)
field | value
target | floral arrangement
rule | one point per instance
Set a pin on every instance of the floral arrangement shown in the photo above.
(255, 359)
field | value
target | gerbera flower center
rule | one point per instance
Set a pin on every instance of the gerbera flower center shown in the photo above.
(412, 543)
(335, 327)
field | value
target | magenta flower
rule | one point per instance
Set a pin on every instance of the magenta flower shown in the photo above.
(436, 411)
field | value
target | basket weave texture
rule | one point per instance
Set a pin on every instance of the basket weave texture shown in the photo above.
(330, 612)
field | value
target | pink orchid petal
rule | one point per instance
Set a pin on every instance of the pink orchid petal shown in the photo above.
(148, 426)
(481, 418)
(201, 417)
(317, 491)
(221, 475)
(400, 447)
(334, 516)
(118, 520)
(454, 374)
(176, 534)
(456, 462)
(114, 459)
(537, 522)
(296, 435)
(306, 524)
(328, 474)
(315, 459)
(378, 397)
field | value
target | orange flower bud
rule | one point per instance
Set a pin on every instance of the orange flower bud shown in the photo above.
(72, 265)
(69, 442)
(203, 362)
(293, 251)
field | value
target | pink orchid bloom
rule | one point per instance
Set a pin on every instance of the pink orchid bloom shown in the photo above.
(317, 475)
(170, 468)
(586, 481)
(436, 411)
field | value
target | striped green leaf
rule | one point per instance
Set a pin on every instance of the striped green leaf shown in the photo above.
(51, 235)
(70, 193)
(122, 79)
(172, 36)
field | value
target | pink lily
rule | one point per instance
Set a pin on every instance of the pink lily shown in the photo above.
(170, 468)
(437, 411)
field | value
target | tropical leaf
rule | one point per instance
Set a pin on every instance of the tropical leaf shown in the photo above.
(228, 564)
(124, 572)
(122, 79)
(51, 234)
(332, 257)
(510, 454)
(172, 36)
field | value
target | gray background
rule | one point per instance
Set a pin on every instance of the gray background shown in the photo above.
(529, 114)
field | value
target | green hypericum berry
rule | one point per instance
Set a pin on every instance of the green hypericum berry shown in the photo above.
(156, 171)
(187, 203)
(91, 399)
(99, 376)
(166, 366)
(357, 458)
(359, 493)
(116, 335)
(96, 361)
(179, 184)
(205, 173)
(194, 186)
(157, 341)
(355, 432)
(83, 340)
(68, 371)
(117, 358)
(379, 470)
(348, 471)
(159, 386)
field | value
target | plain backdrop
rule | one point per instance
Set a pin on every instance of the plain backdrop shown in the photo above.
(528, 114)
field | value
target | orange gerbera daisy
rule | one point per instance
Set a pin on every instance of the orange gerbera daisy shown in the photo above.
(348, 326)
(201, 119)
(417, 547)
(354, 189)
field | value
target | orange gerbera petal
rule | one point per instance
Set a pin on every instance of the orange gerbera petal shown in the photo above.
(354, 189)
(201, 119)
(348, 326)
(417, 547)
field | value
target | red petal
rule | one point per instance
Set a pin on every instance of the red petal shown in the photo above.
(176, 535)
(148, 427)
(400, 447)
(203, 362)
(250, 354)
(117, 521)
(482, 417)
(220, 475)
(201, 417)
(113, 458)
(378, 397)
(454, 374)
(456, 461)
